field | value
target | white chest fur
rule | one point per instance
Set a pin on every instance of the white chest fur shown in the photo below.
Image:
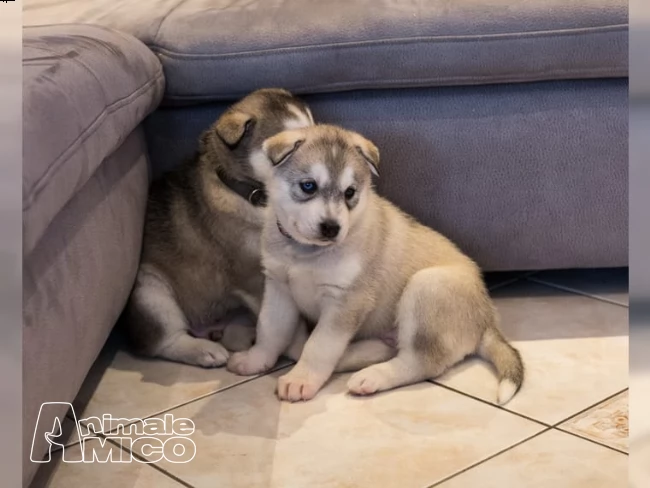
(314, 284)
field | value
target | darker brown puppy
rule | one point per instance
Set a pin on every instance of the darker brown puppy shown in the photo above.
(200, 277)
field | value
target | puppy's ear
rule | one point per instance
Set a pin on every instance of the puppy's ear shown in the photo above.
(280, 147)
(232, 126)
(368, 151)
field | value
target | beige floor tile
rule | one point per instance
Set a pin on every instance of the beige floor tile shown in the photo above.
(409, 437)
(553, 459)
(639, 465)
(639, 408)
(133, 474)
(129, 387)
(606, 423)
(607, 284)
(575, 350)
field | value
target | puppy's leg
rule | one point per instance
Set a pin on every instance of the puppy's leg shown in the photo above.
(437, 328)
(359, 354)
(239, 331)
(276, 326)
(158, 327)
(363, 353)
(298, 342)
(238, 336)
(323, 350)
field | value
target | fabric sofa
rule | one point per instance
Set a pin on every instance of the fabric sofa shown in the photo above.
(501, 124)
(86, 91)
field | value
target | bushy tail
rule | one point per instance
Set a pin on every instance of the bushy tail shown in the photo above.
(507, 361)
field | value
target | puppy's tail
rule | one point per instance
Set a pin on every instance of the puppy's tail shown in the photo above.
(507, 361)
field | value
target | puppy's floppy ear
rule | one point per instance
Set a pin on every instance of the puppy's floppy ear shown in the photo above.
(368, 151)
(232, 126)
(280, 147)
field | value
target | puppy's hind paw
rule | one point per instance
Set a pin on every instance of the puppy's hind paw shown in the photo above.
(248, 363)
(213, 359)
(191, 350)
(366, 382)
(211, 355)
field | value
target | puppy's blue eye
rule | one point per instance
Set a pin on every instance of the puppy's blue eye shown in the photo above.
(308, 186)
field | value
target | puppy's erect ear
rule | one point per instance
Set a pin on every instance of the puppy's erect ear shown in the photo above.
(280, 147)
(232, 126)
(368, 151)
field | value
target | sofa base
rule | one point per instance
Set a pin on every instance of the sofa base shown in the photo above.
(520, 176)
(76, 282)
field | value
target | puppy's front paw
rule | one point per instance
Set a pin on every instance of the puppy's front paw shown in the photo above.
(298, 386)
(251, 362)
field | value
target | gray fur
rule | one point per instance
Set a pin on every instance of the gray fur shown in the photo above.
(385, 274)
(200, 278)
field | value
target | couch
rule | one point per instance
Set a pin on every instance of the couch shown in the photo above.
(501, 124)
(86, 91)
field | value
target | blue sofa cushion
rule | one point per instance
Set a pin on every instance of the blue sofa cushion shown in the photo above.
(214, 50)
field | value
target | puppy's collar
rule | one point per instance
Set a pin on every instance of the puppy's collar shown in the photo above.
(252, 191)
(283, 231)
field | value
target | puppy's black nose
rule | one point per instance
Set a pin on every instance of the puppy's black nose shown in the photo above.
(329, 229)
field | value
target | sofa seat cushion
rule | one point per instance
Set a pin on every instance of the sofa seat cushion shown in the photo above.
(85, 88)
(224, 49)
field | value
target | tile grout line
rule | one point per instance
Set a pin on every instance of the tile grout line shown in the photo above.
(609, 397)
(528, 277)
(555, 426)
(496, 454)
(487, 402)
(615, 449)
(214, 392)
(143, 460)
(150, 464)
(201, 397)
(558, 425)
(575, 291)
(502, 284)
(524, 276)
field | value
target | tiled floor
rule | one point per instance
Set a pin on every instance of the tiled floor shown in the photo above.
(566, 428)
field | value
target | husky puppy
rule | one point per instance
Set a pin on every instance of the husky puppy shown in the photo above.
(349, 261)
(200, 279)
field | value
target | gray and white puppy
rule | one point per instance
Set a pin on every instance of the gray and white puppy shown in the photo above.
(349, 261)
(200, 278)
